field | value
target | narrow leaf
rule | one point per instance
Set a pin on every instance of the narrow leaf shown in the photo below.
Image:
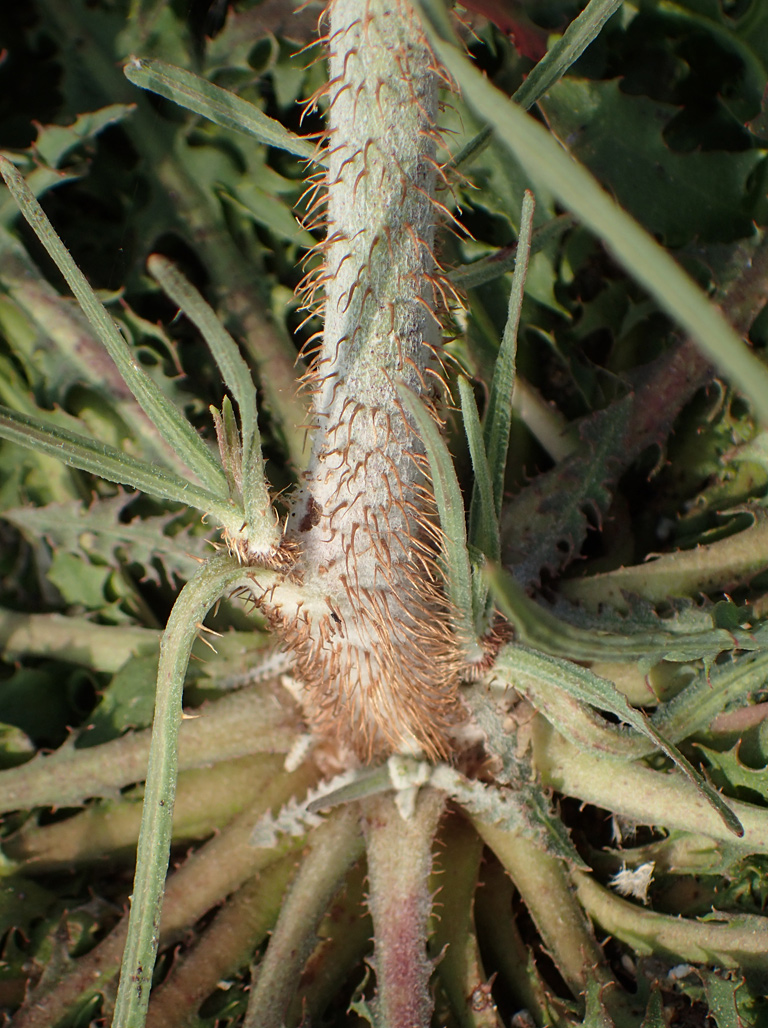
(195, 600)
(100, 459)
(259, 517)
(498, 419)
(552, 66)
(225, 351)
(516, 662)
(483, 522)
(170, 421)
(562, 54)
(218, 105)
(450, 506)
(552, 167)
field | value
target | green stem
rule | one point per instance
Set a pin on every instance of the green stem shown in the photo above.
(248, 722)
(738, 941)
(333, 848)
(459, 969)
(544, 884)
(239, 927)
(344, 936)
(73, 639)
(640, 794)
(205, 879)
(370, 641)
(207, 799)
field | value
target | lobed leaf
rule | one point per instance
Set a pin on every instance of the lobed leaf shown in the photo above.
(100, 531)
(538, 627)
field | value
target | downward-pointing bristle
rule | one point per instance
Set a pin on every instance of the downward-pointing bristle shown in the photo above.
(373, 643)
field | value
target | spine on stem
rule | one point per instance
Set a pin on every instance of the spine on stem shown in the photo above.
(373, 642)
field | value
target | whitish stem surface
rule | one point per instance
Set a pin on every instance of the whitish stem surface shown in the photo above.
(373, 645)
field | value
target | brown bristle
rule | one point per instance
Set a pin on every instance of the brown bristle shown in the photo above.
(359, 601)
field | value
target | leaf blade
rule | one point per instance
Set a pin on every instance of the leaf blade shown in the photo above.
(218, 105)
(552, 167)
(170, 421)
(588, 688)
(195, 600)
(450, 507)
(114, 465)
(260, 520)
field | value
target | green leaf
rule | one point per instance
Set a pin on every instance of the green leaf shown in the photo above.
(498, 418)
(483, 522)
(552, 66)
(79, 583)
(720, 566)
(261, 522)
(170, 422)
(515, 663)
(195, 600)
(562, 54)
(54, 142)
(103, 531)
(538, 627)
(483, 527)
(554, 169)
(709, 195)
(105, 461)
(722, 996)
(491, 267)
(728, 770)
(545, 524)
(450, 506)
(269, 211)
(218, 105)
(126, 703)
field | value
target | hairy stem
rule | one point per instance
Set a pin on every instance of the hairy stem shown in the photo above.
(204, 880)
(333, 848)
(237, 930)
(371, 641)
(399, 865)
(544, 885)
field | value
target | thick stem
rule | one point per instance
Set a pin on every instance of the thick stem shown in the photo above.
(460, 971)
(205, 879)
(399, 865)
(641, 794)
(234, 726)
(333, 848)
(738, 941)
(371, 640)
(206, 800)
(238, 928)
(544, 885)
